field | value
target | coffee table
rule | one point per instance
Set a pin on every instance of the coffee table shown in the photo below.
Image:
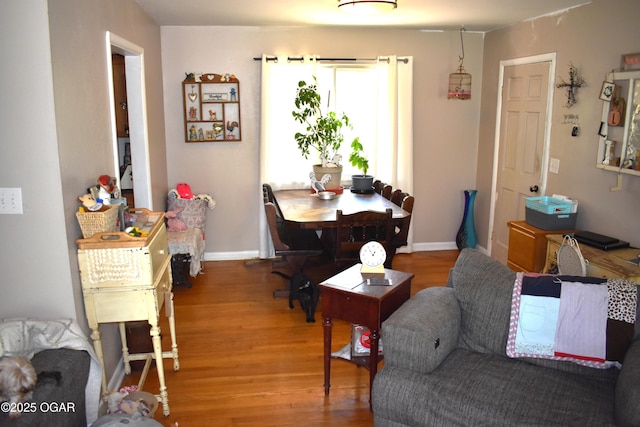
(347, 296)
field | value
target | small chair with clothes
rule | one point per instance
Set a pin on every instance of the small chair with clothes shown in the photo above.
(187, 220)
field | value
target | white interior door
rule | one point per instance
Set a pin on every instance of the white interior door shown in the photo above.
(522, 146)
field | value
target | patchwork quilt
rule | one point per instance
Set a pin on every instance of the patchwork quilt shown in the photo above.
(586, 320)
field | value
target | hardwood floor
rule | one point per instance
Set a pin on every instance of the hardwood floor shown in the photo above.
(246, 359)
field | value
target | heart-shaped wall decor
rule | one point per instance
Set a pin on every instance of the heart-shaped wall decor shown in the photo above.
(193, 96)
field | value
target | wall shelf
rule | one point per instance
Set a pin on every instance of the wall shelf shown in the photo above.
(619, 135)
(211, 107)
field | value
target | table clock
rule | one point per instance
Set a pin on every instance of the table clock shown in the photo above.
(372, 256)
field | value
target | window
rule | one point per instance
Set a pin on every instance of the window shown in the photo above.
(352, 90)
(377, 96)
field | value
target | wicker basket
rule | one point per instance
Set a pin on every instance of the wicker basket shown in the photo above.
(98, 222)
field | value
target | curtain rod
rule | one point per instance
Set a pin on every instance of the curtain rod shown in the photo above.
(301, 59)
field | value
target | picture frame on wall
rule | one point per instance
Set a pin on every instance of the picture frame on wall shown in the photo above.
(607, 91)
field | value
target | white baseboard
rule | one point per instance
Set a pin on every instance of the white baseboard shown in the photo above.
(417, 247)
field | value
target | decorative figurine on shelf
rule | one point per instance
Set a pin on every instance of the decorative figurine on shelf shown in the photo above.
(200, 134)
(233, 94)
(575, 82)
(217, 130)
(213, 115)
(609, 147)
(193, 113)
(318, 186)
(193, 95)
(230, 127)
(193, 136)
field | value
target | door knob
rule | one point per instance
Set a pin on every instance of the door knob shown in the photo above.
(533, 188)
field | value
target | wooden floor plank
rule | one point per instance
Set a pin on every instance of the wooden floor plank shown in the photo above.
(246, 359)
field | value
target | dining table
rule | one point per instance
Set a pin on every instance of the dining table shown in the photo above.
(305, 209)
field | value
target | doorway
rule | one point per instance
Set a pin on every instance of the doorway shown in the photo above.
(136, 108)
(521, 150)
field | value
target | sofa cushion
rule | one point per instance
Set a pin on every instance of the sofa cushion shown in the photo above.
(476, 389)
(483, 287)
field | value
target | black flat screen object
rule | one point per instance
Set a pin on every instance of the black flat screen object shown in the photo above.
(599, 241)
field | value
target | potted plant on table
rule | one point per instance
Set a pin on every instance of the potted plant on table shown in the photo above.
(364, 182)
(323, 132)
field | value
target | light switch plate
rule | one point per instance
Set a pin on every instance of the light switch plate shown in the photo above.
(11, 201)
(554, 165)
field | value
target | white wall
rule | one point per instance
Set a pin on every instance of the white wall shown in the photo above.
(445, 131)
(33, 247)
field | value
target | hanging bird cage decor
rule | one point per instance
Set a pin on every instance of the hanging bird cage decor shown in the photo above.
(460, 81)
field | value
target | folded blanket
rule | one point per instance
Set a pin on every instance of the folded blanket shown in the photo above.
(586, 320)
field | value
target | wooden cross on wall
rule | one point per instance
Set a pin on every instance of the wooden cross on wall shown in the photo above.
(575, 82)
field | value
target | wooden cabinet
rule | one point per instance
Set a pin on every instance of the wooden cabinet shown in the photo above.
(127, 279)
(120, 95)
(528, 246)
(607, 264)
(211, 106)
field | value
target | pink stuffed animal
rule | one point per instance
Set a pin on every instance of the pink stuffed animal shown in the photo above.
(173, 223)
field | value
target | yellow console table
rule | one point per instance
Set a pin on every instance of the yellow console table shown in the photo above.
(607, 264)
(126, 279)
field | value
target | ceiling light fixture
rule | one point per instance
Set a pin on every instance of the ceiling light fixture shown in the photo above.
(367, 7)
(460, 81)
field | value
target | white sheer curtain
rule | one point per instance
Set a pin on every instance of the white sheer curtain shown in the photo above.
(280, 79)
(393, 160)
(395, 126)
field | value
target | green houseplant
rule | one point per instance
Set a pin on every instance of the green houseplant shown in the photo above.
(323, 132)
(357, 159)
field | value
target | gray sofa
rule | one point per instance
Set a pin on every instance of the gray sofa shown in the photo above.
(446, 364)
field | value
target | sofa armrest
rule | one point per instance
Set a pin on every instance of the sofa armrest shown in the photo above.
(423, 332)
(628, 388)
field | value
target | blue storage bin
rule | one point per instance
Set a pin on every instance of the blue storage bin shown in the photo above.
(549, 205)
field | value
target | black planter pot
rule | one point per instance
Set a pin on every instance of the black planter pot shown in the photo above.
(361, 182)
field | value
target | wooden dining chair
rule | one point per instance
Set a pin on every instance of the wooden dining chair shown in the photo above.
(377, 186)
(267, 196)
(398, 196)
(386, 191)
(402, 232)
(354, 230)
(293, 245)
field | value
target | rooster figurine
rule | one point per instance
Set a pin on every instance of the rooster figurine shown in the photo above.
(319, 186)
(230, 127)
